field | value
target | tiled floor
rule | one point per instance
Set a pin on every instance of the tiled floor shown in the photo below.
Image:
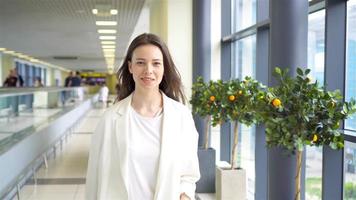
(65, 176)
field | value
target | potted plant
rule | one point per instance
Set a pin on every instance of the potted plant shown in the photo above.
(297, 113)
(239, 102)
(205, 102)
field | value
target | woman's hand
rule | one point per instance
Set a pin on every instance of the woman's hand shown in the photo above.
(183, 196)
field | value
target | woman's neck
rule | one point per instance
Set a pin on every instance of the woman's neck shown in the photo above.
(147, 103)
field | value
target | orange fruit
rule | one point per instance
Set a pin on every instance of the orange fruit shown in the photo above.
(315, 137)
(231, 97)
(212, 98)
(276, 102)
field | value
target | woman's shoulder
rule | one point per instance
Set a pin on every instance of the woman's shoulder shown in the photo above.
(176, 105)
(119, 107)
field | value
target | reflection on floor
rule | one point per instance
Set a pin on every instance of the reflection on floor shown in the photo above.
(65, 176)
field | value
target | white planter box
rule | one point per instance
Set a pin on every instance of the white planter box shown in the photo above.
(230, 184)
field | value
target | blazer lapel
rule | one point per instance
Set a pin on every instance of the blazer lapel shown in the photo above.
(167, 151)
(122, 126)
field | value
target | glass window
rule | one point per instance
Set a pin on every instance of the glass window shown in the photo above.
(350, 171)
(316, 45)
(244, 14)
(350, 86)
(244, 64)
(28, 75)
(314, 155)
(244, 57)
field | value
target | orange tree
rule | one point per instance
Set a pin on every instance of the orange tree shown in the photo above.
(239, 102)
(206, 102)
(297, 113)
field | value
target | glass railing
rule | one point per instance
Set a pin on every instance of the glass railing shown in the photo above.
(23, 110)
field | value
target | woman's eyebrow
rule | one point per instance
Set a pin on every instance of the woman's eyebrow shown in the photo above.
(140, 59)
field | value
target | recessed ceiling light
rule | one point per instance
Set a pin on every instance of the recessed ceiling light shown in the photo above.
(106, 23)
(9, 52)
(108, 50)
(113, 31)
(108, 46)
(107, 42)
(94, 11)
(107, 37)
(113, 12)
(108, 53)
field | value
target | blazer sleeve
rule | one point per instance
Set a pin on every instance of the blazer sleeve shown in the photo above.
(190, 168)
(92, 178)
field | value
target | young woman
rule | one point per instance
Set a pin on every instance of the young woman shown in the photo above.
(145, 147)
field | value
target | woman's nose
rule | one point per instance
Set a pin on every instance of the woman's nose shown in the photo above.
(149, 68)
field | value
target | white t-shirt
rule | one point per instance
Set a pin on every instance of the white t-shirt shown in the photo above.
(144, 151)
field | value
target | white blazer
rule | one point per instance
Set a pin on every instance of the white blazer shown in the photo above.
(107, 176)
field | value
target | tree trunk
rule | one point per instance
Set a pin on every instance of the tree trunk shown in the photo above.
(298, 175)
(207, 126)
(234, 146)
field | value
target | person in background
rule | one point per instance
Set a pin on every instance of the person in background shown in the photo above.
(38, 82)
(66, 93)
(67, 81)
(145, 146)
(76, 80)
(11, 80)
(103, 94)
(19, 77)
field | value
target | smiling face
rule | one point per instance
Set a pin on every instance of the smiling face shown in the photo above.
(146, 67)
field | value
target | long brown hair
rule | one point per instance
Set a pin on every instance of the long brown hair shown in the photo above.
(171, 83)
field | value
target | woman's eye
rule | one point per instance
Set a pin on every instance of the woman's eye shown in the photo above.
(157, 63)
(139, 63)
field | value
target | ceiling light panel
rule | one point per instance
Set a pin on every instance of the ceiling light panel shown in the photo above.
(107, 31)
(113, 12)
(111, 37)
(108, 42)
(108, 50)
(94, 11)
(106, 23)
(108, 46)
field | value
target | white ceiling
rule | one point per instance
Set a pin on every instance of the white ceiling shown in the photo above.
(47, 28)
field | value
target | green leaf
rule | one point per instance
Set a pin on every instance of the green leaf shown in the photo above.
(300, 72)
(278, 70)
(307, 71)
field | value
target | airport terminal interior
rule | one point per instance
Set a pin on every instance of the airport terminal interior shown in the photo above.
(58, 65)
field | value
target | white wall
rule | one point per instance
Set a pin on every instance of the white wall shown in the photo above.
(180, 39)
(172, 21)
(58, 76)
